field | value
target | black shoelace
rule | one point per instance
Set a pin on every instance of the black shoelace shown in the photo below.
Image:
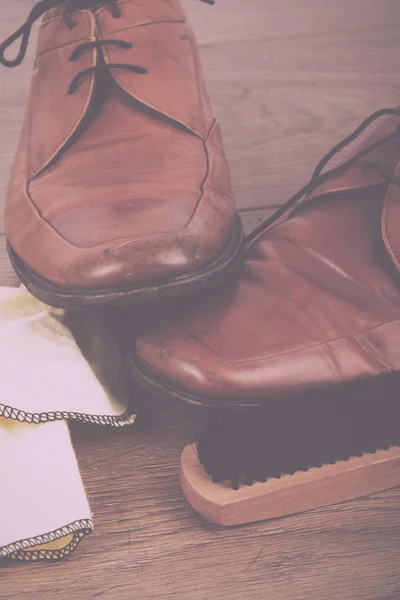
(320, 176)
(68, 7)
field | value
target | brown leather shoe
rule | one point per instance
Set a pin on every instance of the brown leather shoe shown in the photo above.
(120, 190)
(315, 306)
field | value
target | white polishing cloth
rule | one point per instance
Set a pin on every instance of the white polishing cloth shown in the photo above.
(44, 380)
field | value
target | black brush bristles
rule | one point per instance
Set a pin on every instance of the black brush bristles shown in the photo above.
(300, 432)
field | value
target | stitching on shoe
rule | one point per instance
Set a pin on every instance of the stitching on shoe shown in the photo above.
(203, 189)
(141, 24)
(50, 155)
(77, 12)
(121, 2)
(130, 90)
(77, 41)
(296, 350)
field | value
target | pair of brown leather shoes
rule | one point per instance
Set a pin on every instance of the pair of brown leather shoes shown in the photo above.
(120, 192)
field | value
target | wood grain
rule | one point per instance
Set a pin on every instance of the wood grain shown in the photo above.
(287, 80)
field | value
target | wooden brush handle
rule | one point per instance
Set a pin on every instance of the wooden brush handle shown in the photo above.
(290, 494)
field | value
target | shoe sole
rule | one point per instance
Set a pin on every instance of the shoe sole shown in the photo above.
(208, 276)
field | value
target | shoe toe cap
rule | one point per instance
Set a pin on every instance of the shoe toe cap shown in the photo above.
(173, 359)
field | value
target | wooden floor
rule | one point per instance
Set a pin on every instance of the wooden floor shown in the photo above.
(288, 79)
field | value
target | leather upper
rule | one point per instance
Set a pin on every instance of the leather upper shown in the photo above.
(316, 302)
(125, 180)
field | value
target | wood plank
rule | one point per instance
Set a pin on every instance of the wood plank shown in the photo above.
(283, 105)
(287, 80)
(288, 83)
(238, 20)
